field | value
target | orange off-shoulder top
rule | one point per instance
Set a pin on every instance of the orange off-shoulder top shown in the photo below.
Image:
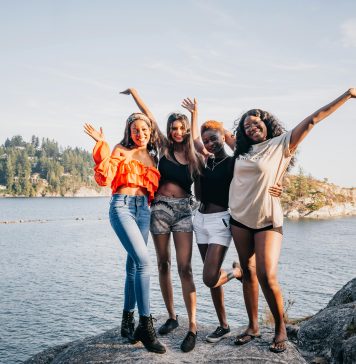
(117, 171)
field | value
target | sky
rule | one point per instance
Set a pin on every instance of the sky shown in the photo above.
(64, 63)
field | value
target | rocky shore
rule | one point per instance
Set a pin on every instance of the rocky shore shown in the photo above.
(327, 337)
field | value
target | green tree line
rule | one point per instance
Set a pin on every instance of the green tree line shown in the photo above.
(42, 167)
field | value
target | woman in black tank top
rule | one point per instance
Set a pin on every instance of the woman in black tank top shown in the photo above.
(171, 213)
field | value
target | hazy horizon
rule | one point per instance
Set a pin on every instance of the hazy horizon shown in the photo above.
(64, 63)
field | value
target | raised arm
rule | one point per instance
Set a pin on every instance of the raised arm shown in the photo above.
(139, 102)
(303, 128)
(192, 107)
(230, 139)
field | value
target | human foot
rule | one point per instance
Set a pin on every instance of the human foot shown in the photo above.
(245, 338)
(237, 270)
(278, 346)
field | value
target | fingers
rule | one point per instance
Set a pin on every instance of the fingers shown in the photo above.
(87, 128)
(275, 191)
(189, 104)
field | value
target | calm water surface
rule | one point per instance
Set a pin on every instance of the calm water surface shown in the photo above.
(62, 273)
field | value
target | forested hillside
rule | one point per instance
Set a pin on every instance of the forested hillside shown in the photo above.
(42, 167)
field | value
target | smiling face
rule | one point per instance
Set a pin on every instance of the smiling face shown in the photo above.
(178, 131)
(255, 129)
(213, 141)
(140, 133)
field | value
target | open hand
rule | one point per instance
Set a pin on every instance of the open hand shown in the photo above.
(96, 135)
(191, 106)
(275, 190)
(352, 92)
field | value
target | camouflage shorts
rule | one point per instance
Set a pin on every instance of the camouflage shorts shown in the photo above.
(171, 214)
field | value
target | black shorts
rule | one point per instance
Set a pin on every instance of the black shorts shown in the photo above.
(269, 227)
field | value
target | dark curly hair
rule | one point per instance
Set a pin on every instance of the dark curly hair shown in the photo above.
(244, 143)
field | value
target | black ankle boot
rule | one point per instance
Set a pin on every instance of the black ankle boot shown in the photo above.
(128, 325)
(146, 333)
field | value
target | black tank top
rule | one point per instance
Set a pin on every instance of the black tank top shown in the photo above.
(175, 172)
(215, 182)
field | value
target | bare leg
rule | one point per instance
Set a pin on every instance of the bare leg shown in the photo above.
(217, 293)
(183, 243)
(213, 275)
(245, 247)
(268, 247)
(163, 253)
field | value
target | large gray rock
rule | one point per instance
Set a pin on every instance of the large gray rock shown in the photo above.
(331, 333)
(346, 294)
(109, 347)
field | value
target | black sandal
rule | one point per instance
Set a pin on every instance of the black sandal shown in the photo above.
(245, 338)
(273, 348)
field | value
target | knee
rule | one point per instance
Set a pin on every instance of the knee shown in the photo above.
(185, 271)
(143, 264)
(209, 280)
(164, 266)
(249, 273)
(268, 279)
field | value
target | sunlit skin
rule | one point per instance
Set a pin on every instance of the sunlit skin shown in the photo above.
(183, 240)
(213, 142)
(213, 255)
(255, 129)
(259, 253)
(178, 134)
(140, 133)
(178, 131)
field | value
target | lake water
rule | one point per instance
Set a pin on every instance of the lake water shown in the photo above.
(62, 273)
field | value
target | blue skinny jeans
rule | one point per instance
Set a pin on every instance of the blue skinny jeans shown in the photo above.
(130, 219)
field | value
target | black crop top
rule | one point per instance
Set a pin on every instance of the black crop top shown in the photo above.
(175, 172)
(215, 182)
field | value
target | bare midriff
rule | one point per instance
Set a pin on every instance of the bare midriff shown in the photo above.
(131, 191)
(170, 189)
(210, 208)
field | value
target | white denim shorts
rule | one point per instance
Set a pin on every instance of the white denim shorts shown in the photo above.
(212, 228)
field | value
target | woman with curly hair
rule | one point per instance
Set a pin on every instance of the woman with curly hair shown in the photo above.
(171, 213)
(263, 152)
(131, 172)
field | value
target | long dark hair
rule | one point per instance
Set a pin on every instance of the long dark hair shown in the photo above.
(195, 163)
(244, 143)
(156, 144)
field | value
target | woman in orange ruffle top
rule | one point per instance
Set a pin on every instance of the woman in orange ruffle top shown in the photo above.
(131, 172)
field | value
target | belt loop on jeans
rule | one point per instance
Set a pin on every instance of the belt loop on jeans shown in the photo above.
(125, 200)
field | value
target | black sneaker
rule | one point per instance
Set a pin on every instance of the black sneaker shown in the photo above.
(188, 344)
(168, 326)
(218, 334)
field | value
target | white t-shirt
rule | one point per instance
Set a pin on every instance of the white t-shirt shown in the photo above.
(249, 200)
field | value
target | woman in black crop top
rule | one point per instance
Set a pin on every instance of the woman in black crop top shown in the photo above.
(211, 221)
(171, 212)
